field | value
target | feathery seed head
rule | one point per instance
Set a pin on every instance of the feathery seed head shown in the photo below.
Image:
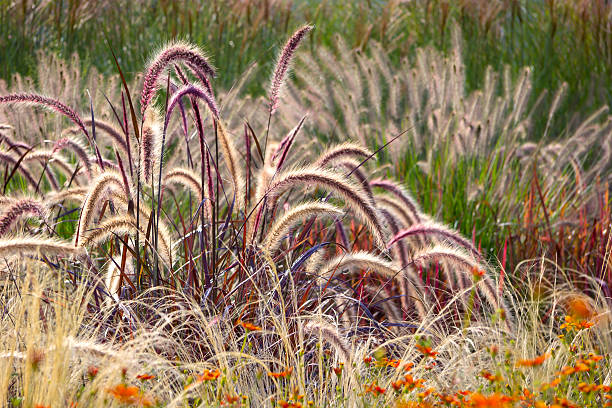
(172, 53)
(283, 64)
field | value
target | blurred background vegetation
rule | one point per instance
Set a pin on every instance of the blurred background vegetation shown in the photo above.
(563, 40)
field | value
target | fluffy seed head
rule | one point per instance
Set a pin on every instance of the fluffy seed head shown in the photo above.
(343, 150)
(19, 208)
(299, 213)
(353, 195)
(283, 64)
(50, 103)
(172, 53)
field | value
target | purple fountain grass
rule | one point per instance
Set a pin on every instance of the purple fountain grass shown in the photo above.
(17, 209)
(53, 104)
(51, 158)
(7, 158)
(400, 193)
(149, 144)
(283, 64)
(187, 178)
(111, 131)
(194, 90)
(353, 194)
(433, 228)
(459, 259)
(399, 252)
(329, 333)
(407, 279)
(19, 245)
(78, 149)
(96, 192)
(353, 167)
(286, 143)
(341, 151)
(171, 53)
(14, 144)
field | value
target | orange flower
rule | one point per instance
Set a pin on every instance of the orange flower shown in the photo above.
(535, 362)
(490, 401)
(131, 395)
(579, 307)
(587, 388)
(427, 351)
(492, 378)
(567, 370)
(374, 389)
(398, 385)
(282, 374)
(552, 384)
(248, 326)
(92, 371)
(572, 323)
(367, 360)
(594, 357)
(290, 404)
(385, 362)
(338, 370)
(477, 272)
(412, 383)
(231, 399)
(145, 377)
(565, 403)
(426, 393)
(41, 406)
(450, 399)
(208, 375)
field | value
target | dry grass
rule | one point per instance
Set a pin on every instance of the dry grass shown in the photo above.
(223, 291)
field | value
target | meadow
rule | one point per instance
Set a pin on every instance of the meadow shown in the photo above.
(305, 204)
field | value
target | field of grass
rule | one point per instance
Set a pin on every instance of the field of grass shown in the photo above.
(305, 204)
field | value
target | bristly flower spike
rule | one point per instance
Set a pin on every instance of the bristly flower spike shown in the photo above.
(283, 64)
(173, 52)
(50, 103)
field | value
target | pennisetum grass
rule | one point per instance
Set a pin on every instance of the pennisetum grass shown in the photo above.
(198, 282)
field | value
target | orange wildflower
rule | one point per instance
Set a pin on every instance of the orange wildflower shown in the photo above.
(282, 374)
(572, 323)
(231, 399)
(579, 307)
(477, 272)
(130, 394)
(385, 362)
(412, 383)
(535, 362)
(338, 370)
(398, 385)
(490, 401)
(208, 375)
(41, 406)
(449, 399)
(248, 326)
(426, 393)
(567, 370)
(145, 377)
(426, 351)
(92, 371)
(565, 403)
(290, 404)
(374, 389)
(491, 377)
(594, 357)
